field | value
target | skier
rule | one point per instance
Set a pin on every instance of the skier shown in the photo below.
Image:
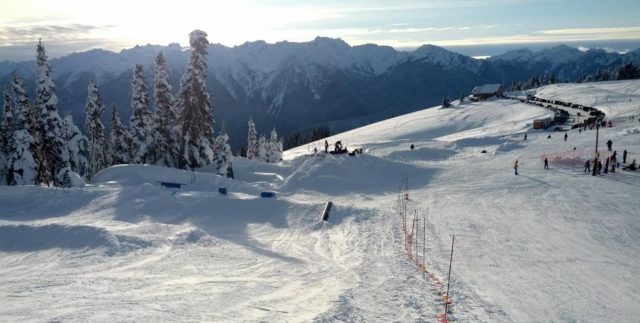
(624, 157)
(599, 167)
(515, 166)
(609, 143)
(587, 166)
(326, 147)
(606, 166)
(565, 136)
(546, 163)
(525, 136)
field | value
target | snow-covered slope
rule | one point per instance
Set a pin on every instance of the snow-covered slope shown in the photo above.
(543, 246)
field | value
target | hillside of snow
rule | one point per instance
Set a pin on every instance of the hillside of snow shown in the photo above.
(555, 245)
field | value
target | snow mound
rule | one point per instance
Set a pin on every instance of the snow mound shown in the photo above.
(344, 174)
(140, 174)
(24, 238)
(422, 154)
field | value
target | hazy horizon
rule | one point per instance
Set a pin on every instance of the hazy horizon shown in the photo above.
(480, 27)
(476, 51)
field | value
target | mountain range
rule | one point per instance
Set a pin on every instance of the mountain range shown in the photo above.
(298, 86)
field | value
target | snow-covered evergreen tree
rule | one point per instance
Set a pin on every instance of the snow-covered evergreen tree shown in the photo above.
(119, 140)
(262, 149)
(78, 145)
(22, 162)
(23, 111)
(141, 122)
(22, 167)
(196, 120)
(252, 140)
(222, 160)
(53, 147)
(273, 148)
(95, 131)
(166, 144)
(276, 146)
(6, 134)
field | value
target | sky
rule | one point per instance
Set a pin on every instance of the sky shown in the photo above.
(66, 26)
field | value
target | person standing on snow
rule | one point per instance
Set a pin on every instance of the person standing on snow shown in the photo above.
(515, 166)
(606, 166)
(624, 156)
(609, 144)
(587, 166)
(565, 136)
(326, 147)
(546, 163)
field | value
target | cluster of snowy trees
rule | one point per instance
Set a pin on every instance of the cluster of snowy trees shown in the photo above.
(299, 138)
(261, 149)
(628, 71)
(37, 146)
(178, 133)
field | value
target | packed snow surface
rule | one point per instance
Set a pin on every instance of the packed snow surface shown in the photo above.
(552, 245)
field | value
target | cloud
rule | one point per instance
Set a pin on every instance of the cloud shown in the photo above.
(29, 34)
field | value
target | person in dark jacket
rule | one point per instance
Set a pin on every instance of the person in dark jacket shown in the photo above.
(326, 147)
(606, 166)
(587, 167)
(515, 166)
(609, 144)
(546, 163)
(624, 156)
(565, 136)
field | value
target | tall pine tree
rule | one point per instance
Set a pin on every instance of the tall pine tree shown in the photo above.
(95, 131)
(262, 149)
(196, 120)
(167, 149)
(252, 140)
(78, 145)
(222, 160)
(119, 141)
(23, 109)
(22, 163)
(274, 154)
(141, 123)
(6, 134)
(53, 147)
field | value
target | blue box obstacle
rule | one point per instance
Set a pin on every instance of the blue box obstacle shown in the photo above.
(267, 194)
(171, 185)
(222, 190)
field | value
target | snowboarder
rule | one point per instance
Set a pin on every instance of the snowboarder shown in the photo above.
(515, 166)
(609, 144)
(565, 136)
(326, 147)
(587, 166)
(624, 157)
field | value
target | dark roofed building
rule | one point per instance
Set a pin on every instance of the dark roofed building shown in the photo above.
(486, 91)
